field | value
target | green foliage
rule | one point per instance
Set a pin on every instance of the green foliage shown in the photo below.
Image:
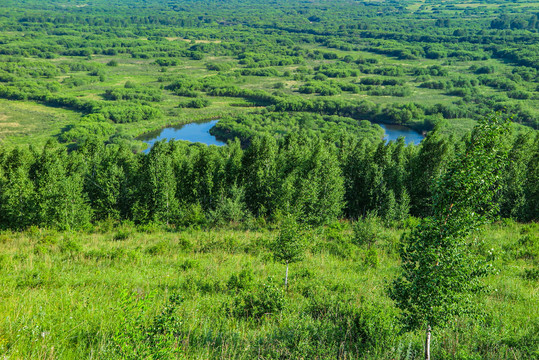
(160, 185)
(289, 247)
(527, 246)
(59, 194)
(133, 92)
(127, 114)
(197, 103)
(167, 62)
(531, 274)
(93, 125)
(266, 301)
(230, 209)
(122, 235)
(280, 125)
(243, 281)
(311, 79)
(371, 258)
(439, 272)
(366, 231)
(139, 336)
(337, 305)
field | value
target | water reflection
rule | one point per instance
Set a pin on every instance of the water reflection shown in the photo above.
(200, 132)
(194, 132)
(394, 131)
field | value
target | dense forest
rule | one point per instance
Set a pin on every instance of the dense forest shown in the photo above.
(317, 179)
(181, 250)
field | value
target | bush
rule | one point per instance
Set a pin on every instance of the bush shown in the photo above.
(531, 274)
(122, 114)
(528, 247)
(267, 300)
(197, 103)
(519, 94)
(159, 248)
(188, 264)
(366, 231)
(335, 243)
(122, 235)
(139, 338)
(244, 280)
(92, 125)
(166, 62)
(70, 246)
(371, 258)
(230, 209)
(192, 215)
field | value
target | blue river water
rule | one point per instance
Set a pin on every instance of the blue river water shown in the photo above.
(200, 132)
(393, 132)
(193, 132)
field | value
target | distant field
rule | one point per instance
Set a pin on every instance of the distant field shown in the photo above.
(31, 123)
(454, 79)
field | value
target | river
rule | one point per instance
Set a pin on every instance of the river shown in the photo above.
(193, 132)
(200, 132)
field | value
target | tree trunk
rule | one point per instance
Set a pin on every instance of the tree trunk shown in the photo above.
(427, 344)
(286, 276)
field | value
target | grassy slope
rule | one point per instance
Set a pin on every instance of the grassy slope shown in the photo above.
(61, 292)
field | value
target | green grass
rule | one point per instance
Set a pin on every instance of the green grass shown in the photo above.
(23, 122)
(61, 295)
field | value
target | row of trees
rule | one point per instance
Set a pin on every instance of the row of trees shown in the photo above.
(315, 179)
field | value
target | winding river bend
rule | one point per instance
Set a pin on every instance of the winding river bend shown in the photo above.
(200, 132)
(193, 132)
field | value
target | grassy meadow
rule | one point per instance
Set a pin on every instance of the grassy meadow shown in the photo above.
(75, 295)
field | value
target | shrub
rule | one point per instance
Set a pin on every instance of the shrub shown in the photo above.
(267, 300)
(139, 338)
(197, 103)
(241, 281)
(69, 246)
(366, 231)
(528, 247)
(371, 258)
(231, 208)
(122, 234)
(519, 94)
(159, 248)
(531, 274)
(188, 264)
(192, 215)
(166, 62)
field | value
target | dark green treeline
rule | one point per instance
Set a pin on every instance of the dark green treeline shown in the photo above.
(182, 184)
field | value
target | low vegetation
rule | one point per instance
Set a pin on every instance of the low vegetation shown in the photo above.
(123, 291)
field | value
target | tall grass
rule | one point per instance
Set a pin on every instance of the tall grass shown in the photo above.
(67, 295)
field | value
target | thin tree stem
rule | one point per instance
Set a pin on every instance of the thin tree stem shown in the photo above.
(427, 343)
(286, 276)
